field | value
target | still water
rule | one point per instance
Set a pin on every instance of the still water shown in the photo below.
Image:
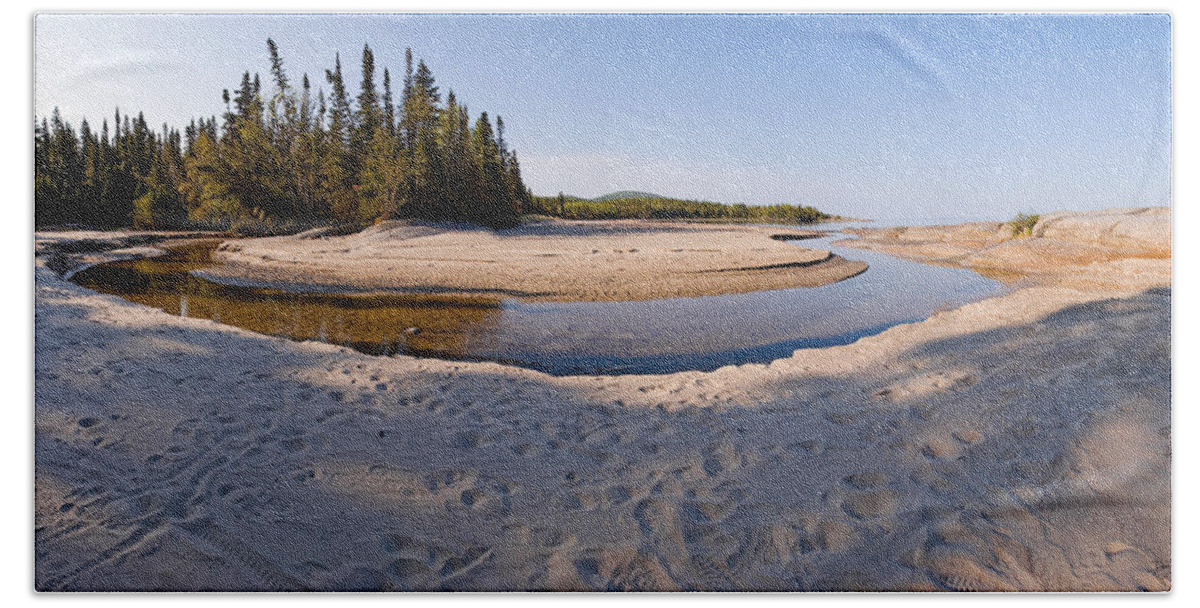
(654, 337)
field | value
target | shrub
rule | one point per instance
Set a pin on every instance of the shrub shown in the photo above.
(1023, 224)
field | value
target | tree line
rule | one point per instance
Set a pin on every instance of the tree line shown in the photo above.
(286, 155)
(664, 208)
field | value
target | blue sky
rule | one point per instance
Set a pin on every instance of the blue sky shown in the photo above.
(881, 116)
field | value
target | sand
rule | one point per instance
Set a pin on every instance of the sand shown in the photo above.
(545, 261)
(1017, 443)
(1112, 249)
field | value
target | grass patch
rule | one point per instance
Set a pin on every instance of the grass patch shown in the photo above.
(1022, 225)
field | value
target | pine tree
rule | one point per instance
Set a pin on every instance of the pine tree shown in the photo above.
(493, 202)
(501, 144)
(283, 122)
(161, 206)
(288, 156)
(306, 156)
(419, 127)
(389, 109)
(382, 180)
(46, 207)
(368, 117)
(337, 163)
(66, 169)
(457, 162)
(520, 196)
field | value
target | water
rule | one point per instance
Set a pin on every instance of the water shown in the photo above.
(654, 337)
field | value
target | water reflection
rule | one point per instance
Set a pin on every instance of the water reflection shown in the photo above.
(660, 336)
(375, 324)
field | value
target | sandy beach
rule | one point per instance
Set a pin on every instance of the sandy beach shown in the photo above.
(1022, 442)
(547, 261)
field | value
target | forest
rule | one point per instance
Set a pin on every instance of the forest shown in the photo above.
(284, 158)
(643, 205)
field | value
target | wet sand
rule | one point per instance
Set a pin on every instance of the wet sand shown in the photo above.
(1017, 443)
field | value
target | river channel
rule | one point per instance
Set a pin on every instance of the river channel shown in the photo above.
(650, 337)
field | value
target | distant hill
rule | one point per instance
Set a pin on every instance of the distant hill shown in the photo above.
(625, 194)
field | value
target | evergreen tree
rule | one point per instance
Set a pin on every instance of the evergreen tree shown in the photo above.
(520, 196)
(161, 206)
(382, 181)
(337, 163)
(369, 114)
(306, 156)
(501, 144)
(419, 127)
(494, 204)
(286, 157)
(457, 161)
(46, 210)
(389, 109)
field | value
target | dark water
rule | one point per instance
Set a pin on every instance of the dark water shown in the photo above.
(654, 337)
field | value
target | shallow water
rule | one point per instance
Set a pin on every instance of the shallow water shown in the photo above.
(654, 337)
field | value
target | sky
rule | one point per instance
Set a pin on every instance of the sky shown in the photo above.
(884, 116)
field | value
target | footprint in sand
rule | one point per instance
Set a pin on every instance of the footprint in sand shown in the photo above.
(618, 495)
(941, 449)
(866, 481)
(656, 517)
(623, 570)
(768, 545)
(581, 501)
(968, 436)
(293, 445)
(554, 538)
(834, 536)
(667, 487)
(425, 567)
(870, 505)
(959, 572)
(709, 512)
(720, 457)
(470, 440)
(93, 428)
(305, 475)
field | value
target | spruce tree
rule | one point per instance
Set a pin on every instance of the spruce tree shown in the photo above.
(368, 118)
(284, 155)
(381, 188)
(389, 109)
(337, 163)
(419, 126)
(493, 203)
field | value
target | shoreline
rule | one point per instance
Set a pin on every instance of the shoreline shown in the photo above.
(557, 261)
(997, 446)
(1065, 249)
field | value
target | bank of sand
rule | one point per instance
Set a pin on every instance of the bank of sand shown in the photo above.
(550, 261)
(1021, 442)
